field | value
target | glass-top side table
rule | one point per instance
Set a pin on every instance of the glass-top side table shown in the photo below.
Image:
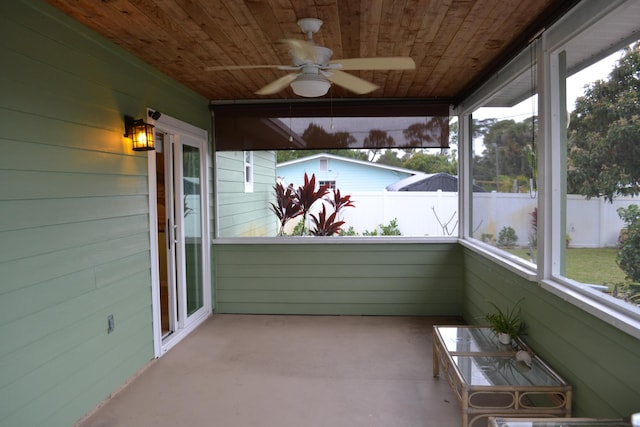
(461, 340)
(488, 380)
(556, 422)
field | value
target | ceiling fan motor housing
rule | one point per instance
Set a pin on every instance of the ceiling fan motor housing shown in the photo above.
(321, 56)
(309, 26)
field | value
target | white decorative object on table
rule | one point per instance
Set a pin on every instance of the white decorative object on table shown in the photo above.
(524, 357)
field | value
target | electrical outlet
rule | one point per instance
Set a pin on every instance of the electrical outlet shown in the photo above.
(111, 324)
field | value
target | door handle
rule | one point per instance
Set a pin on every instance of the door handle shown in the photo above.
(172, 233)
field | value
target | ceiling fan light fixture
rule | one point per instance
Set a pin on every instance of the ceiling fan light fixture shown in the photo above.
(310, 85)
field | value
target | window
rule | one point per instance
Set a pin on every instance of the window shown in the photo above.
(248, 171)
(384, 164)
(584, 157)
(599, 176)
(330, 184)
(504, 135)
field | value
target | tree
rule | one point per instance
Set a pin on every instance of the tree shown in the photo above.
(317, 138)
(376, 141)
(425, 135)
(390, 158)
(479, 128)
(431, 163)
(629, 254)
(508, 153)
(604, 134)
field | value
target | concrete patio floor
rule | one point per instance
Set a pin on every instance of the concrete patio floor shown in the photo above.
(291, 371)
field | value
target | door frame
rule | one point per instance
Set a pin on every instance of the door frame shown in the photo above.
(176, 128)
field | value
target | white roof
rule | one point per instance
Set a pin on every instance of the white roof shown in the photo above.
(419, 176)
(348, 160)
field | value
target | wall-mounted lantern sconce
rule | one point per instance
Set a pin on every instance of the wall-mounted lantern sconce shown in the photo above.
(141, 134)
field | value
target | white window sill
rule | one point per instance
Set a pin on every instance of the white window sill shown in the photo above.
(512, 263)
(605, 307)
(331, 240)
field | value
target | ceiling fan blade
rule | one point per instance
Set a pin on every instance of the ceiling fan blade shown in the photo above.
(301, 49)
(378, 63)
(248, 67)
(277, 85)
(350, 82)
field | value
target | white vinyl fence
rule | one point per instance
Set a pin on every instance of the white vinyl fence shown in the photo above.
(590, 223)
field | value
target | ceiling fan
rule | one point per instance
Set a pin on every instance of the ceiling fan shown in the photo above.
(313, 71)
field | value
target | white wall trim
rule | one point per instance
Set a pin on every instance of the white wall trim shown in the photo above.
(331, 240)
(513, 263)
(153, 242)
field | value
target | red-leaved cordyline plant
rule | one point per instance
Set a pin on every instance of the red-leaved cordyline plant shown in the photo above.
(326, 226)
(306, 195)
(286, 207)
(340, 202)
(292, 203)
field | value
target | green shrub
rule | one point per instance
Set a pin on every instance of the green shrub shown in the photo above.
(298, 229)
(628, 291)
(507, 236)
(391, 229)
(385, 230)
(487, 237)
(348, 232)
(628, 257)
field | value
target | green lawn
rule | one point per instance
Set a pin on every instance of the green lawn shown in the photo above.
(597, 266)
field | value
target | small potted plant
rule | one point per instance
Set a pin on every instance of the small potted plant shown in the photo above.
(506, 324)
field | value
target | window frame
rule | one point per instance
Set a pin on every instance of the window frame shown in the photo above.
(603, 306)
(277, 130)
(248, 171)
(330, 182)
(518, 66)
(551, 178)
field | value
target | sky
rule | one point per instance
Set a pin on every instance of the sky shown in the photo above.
(575, 88)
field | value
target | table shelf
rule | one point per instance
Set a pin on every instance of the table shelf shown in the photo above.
(488, 380)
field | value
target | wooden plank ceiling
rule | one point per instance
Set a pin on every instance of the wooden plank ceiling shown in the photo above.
(455, 43)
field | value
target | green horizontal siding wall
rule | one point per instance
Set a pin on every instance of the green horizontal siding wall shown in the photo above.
(601, 362)
(74, 214)
(359, 279)
(241, 213)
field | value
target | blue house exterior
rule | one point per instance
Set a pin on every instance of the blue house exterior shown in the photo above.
(348, 175)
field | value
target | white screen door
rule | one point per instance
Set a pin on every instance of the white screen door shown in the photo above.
(183, 297)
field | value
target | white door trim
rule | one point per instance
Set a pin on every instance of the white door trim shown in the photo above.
(176, 127)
